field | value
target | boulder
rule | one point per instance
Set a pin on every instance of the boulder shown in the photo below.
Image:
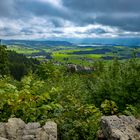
(34, 125)
(51, 129)
(42, 135)
(14, 127)
(1, 138)
(30, 131)
(2, 130)
(28, 137)
(120, 127)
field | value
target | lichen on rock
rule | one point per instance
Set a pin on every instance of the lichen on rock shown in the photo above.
(120, 127)
(16, 129)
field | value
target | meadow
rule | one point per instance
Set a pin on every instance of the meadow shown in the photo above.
(80, 55)
(37, 91)
(22, 50)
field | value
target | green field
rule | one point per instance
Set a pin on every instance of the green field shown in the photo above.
(23, 50)
(76, 54)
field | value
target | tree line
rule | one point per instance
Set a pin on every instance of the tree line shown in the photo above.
(75, 101)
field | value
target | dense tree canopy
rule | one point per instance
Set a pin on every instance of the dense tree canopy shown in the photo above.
(3, 60)
(75, 101)
(17, 65)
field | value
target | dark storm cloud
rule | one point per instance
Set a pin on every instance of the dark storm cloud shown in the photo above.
(8, 32)
(26, 31)
(58, 32)
(124, 14)
(97, 31)
(28, 8)
(128, 23)
(39, 8)
(44, 17)
(6, 8)
(103, 5)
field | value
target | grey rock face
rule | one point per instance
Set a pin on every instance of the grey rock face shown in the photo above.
(30, 131)
(13, 128)
(2, 130)
(120, 127)
(28, 137)
(3, 138)
(16, 129)
(32, 126)
(42, 135)
(51, 129)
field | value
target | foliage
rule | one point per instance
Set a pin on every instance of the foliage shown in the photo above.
(3, 60)
(47, 70)
(28, 100)
(131, 110)
(119, 82)
(17, 65)
(35, 100)
(109, 107)
(75, 101)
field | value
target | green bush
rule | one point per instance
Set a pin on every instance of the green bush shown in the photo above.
(109, 107)
(75, 101)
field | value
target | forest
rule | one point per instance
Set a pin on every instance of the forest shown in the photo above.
(39, 91)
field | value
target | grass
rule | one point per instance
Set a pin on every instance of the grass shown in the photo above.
(47, 50)
(64, 54)
(119, 47)
(75, 59)
(60, 55)
(93, 56)
(22, 50)
(72, 50)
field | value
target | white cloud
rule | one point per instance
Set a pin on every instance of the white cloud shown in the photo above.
(57, 3)
(37, 27)
(69, 18)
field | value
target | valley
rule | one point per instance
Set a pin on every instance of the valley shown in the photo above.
(69, 53)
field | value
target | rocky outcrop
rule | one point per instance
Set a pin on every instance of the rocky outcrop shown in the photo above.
(16, 129)
(78, 68)
(120, 128)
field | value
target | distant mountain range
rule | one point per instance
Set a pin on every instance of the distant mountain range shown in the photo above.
(32, 43)
(67, 42)
(114, 41)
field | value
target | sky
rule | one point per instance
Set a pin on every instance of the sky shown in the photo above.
(64, 19)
